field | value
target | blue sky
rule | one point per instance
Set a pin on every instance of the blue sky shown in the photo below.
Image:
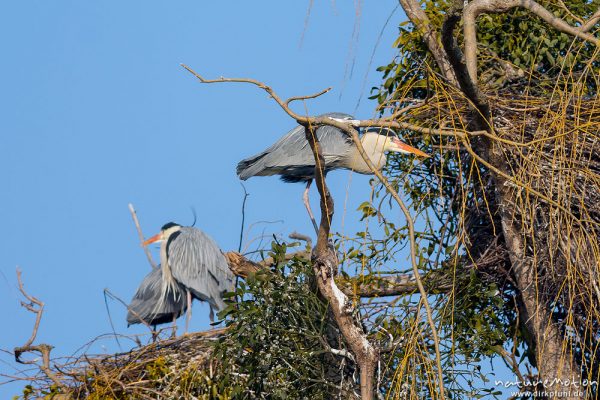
(97, 113)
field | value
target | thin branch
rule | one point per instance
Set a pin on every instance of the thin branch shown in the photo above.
(243, 217)
(38, 312)
(43, 349)
(141, 236)
(386, 122)
(312, 96)
(575, 17)
(299, 236)
(139, 317)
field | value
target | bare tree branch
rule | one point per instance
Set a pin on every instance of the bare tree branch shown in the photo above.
(141, 236)
(312, 96)
(43, 349)
(394, 285)
(435, 282)
(387, 122)
(30, 307)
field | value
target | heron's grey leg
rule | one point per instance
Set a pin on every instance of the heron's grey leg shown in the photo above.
(174, 327)
(188, 315)
(154, 334)
(307, 205)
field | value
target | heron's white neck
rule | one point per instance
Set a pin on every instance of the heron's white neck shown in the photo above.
(168, 280)
(375, 146)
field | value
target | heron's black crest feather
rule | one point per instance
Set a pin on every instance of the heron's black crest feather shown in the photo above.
(168, 225)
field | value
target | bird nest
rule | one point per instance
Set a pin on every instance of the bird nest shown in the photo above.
(176, 368)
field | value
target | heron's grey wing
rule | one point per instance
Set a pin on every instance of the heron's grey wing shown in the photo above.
(291, 154)
(197, 262)
(273, 160)
(335, 145)
(146, 305)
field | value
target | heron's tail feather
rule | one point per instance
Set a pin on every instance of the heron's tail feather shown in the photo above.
(250, 167)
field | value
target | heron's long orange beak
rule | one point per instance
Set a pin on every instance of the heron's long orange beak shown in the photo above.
(153, 239)
(403, 147)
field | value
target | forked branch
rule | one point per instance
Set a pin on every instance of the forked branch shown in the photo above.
(36, 306)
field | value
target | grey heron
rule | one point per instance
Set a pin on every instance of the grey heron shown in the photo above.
(146, 305)
(192, 260)
(292, 158)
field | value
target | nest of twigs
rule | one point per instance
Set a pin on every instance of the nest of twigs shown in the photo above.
(176, 368)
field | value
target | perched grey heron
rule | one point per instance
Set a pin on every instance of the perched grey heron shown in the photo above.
(146, 305)
(192, 260)
(292, 158)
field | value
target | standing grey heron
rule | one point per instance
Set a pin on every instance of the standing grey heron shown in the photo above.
(191, 259)
(147, 305)
(293, 159)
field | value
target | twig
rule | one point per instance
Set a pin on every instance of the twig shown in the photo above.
(115, 297)
(112, 326)
(30, 307)
(141, 236)
(299, 236)
(43, 349)
(243, 217)
(312, 96)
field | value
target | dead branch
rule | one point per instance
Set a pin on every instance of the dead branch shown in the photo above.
(240, 265)
(312, 96)
(299, 236)
(43, 349)
(386, 122)
(362, 286)
(246, 194)
(30, 307)
(395, 285)
(141, 236)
